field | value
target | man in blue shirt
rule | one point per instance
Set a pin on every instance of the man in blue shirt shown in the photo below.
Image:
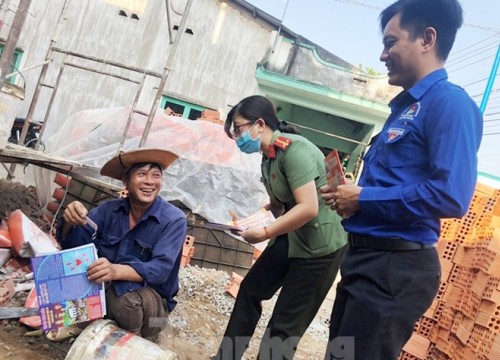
(139, 241)
(420, 168)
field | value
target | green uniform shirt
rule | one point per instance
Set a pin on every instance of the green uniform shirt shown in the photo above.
(291, 167)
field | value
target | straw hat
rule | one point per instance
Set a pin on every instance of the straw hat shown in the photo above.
(117, 165)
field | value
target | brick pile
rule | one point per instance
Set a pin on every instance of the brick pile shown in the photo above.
(463, 322)
(233, 286)
(211, 116)
(187, 250)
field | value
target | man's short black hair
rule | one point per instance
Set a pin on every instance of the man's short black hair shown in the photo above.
(445, 16)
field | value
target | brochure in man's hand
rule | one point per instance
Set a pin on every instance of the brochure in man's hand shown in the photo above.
(260, 218)
(65, 295)
(334, 172)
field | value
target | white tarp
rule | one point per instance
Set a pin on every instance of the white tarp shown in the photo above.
(210, 177)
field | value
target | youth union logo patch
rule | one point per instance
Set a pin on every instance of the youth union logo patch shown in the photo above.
(411, 112)
(394, 133)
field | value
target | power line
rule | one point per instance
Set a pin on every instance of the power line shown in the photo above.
(475, 62)
(454, 53)
(362, 4)
(456, 59)
(482, 27)
(479, 94)
(491, 120)
(470, 49)
(475, 82)
(472, 54)
(379, 8)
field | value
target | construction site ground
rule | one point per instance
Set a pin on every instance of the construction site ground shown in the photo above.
(195, 327)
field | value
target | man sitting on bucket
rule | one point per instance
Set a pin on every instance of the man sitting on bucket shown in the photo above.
(139, 242)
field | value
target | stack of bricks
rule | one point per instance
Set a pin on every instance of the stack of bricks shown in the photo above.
(233, 286)
(59, 194)
(187, 250)
(212, 116)
(463, 322)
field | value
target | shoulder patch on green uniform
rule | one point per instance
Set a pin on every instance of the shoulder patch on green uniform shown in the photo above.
(282, 142)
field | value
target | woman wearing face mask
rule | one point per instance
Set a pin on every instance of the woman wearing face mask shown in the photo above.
(307, 241)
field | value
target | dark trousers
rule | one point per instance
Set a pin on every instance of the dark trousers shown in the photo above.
(140, 312)
(304, 285)
(381, 296)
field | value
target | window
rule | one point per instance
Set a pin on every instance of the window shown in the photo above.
(185, 109)
(17, 61)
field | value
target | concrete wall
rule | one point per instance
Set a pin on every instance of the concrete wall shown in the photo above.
(304, 62)
(214, 65)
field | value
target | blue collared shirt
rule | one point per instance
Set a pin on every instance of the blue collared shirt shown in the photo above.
(153, 247)
(422, 166)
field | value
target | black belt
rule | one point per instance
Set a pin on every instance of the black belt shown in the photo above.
(385, 243)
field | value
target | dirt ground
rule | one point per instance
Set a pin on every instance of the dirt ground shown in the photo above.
(195, 327)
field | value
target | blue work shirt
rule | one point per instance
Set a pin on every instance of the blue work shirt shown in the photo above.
(153, 247)
(422, 166)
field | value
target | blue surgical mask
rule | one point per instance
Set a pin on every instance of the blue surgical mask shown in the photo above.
(246, 144)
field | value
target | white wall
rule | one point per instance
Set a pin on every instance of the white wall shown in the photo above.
(214, 67)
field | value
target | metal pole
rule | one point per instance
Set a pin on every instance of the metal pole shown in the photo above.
(491, 81)
(26, 69)
(51, 102)
(41, 79)
(10, 46)
(167, 68)
(279, 27)
(278, 32)
(131, 113)
(169, 23)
